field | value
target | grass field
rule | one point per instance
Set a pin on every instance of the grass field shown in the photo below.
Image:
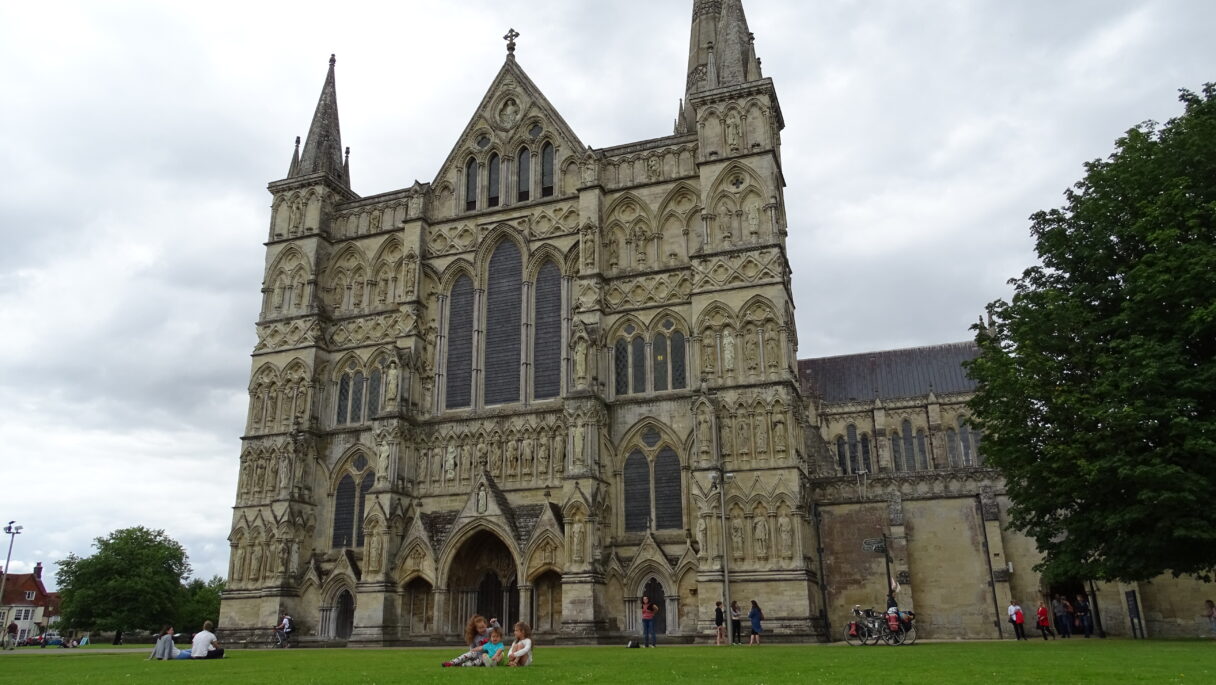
(1075, 661)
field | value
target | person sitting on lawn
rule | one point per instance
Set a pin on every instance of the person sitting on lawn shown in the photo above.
(205, 645)
(477, 634)
(494, 650)
(164, 650)
(521, 649)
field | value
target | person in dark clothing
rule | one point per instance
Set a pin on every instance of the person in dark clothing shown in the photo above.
(1085, 619)
(719, 624)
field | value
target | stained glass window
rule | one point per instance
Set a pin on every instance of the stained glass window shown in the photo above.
(470, 185)
(637, 492)
(679, 377)
(503, 316)
(659, 351)
(668, 498)
(344, 511)
(620, 364)
(460, 344)
(356, 398)
(492, 181)
(547, 348)
(546, 170)
(523, 174)
(637, 363)
(343, 398)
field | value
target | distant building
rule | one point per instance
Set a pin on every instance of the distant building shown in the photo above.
(27, 602)
(515, 389)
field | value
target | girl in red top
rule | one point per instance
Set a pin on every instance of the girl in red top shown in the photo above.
(649, 610)
(1043, 622)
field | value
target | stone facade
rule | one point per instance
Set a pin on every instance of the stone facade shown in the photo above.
(557, 378)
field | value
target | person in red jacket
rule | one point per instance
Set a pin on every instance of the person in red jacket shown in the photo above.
(1018, 619)
(1044, 621)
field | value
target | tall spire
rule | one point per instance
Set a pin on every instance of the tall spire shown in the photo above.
(720, 45)
(323, 146)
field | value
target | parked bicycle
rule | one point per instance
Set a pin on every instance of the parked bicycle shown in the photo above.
(868, 627)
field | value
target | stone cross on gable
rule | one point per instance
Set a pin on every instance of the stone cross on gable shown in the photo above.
(512, 34)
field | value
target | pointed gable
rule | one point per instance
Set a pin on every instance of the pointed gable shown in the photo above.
(512, 110)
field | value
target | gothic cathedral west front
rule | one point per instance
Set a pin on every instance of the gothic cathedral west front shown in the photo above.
(558, 378)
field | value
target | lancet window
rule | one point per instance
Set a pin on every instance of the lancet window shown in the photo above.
(350, 499)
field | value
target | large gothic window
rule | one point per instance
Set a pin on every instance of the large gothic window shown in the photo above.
(909, 445)
(620, 363)
(493, 181)
(470, 185)
(969, 440)
(667, 369)
(350, 502)
(503, 317)
(546, 170)
(358, 396)
(679, 374)
(547, 345)
(668, 498)
(897, 458)
(637, 492)
(637, 363)
(523, 174)
(460, 344)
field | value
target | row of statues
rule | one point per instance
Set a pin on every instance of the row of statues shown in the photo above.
(761, 544)
(527, 460)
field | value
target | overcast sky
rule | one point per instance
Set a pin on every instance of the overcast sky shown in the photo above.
(137, 138)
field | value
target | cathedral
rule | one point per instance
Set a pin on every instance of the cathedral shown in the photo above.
(557, 378)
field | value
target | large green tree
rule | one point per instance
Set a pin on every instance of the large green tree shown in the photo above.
(133, 581)
(1097, 380)
(200, 602)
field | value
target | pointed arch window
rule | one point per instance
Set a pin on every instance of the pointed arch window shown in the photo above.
(854, 449)
(358, 395)
(470, 185)
(969, 439)
(952, 448)
(897, 457)
(460, 345)
(637, 492)
(350, 503)
(842, 454)
(523, 174)
(343, 399)
(668, 497)
(492, 181)
(504, 300)
(909, 445)
(661, 359)
(344, 511)
(865, 454)
(620, 363)
(356, 398)
(922, 451)
(679, 373)
(546, 170)
(374, 390)
(547, 345)
(637, 363)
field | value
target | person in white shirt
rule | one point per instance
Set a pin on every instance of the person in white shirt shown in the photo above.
(283, 630)
(205, 645)
(521, 649)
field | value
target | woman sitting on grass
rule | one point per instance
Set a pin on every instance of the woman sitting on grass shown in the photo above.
(521, 649)
(165, 649)
(477, 634)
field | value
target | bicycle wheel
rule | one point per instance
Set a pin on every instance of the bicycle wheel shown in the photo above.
(873, 634)
(910, 635)
(854, 639)
(894, 638)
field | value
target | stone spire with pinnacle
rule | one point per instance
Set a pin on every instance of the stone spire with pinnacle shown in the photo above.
(720, 51)
(323, 147)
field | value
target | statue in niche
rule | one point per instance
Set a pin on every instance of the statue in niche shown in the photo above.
(284, 557)
(374, 222)
(753, 222)
(255, 399)
(542, 458)
(272, 409)
(580, 362)
(751, 351)
(760, 536)
(578, 539)
(482, 454)
(437, 467)
(745, 438)
(512, 457)
(392, 388)
(255, 571)
(736, 539)
(284, 474)
(772, 352)
(525, 458)
(466, 461)
(761, 437)
(272, 473)
(375, 552)
(449, 464)
(496, 459)
(704, 434)
(588, 170)
(785, 536)
(579, 446)
(483, 499)
(702, 534)
(559, 453)
(383, 454)
(732, 131)
(238, 563)
(411, 272)
(423, 458)
(589, 248)
(246, 474)
(614, 251)
(509, 113)
(727, 431)
(653, 171)
(728, 350)
(708, 352)
(640, 242)
(296, 215)
(779, 437)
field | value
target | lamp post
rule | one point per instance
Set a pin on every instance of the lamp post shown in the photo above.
(720, 484)
(11, 531)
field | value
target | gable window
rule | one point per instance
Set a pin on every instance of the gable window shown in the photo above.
(350, 498)
(653, 491)
(546, 170)
(492, 182)
(503, 316)
(470, 185)
(29, 595)
(523, 174)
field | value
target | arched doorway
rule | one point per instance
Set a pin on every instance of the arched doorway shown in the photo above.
(654, 590)
(547, 600)
(344, 618)
(418, 607)
(482, 581)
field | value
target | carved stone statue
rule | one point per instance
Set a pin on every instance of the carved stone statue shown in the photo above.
(728, 349)
(411, 272)
(255, 567)
(296, 216)
(559, 455)
(509, 113)
(578, 541)
(542, 458)
(423, 457)
(466, 461)
(744, 426)
(751, 351)
(779, 437)
(376, 552)
(238, 565)
(272, 475)
(374, 222)
(704, 435)
(614, 252)
(483, 499)
(785, 536)
(702, 534)
(579, 447)
(588, 248)
(284, 474)
(761, 437)
(512, 457)
(496, 460)
(588, 171)
(383, 454)
(732, 131)
(760, 537)
(392, 388)
(772, 350)
(709, 353)
(653, 170)
(482, 455)
(736, 538)
(449, 464)
(640, 243)
(580, 362)
(525, 458)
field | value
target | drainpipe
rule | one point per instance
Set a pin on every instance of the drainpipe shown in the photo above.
(823, 589)
(996, 606)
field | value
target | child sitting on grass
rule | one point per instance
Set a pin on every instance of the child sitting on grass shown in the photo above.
(477, 634)
(521, 649)
(493, 650)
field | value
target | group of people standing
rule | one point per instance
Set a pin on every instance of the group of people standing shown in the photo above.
(755, 616)
(1069, 616)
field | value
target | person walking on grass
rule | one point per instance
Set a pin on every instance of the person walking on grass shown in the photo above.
(1018, 618)
(649, 611)
(1085, 620)
(755, 616)
(1043, 622)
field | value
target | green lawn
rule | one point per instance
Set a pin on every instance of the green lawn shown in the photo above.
(1075, 661)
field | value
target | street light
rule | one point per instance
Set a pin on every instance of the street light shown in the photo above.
(719, 482)
(11, 531)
